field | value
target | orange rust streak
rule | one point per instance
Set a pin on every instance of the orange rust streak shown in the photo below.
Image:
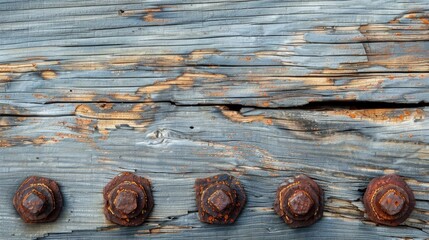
(48, 74)
(79, 138)
(184, 81)
(237, 117)
(5, 143)
(382, 115)
(133, 60)
(84, 66)
(86, 111)
(424, 20)
(4, 78)
(199, 54)
(105, 121)
(44, 140)
(18, 68)
(149, 17)
(80, 97)
(125, 96)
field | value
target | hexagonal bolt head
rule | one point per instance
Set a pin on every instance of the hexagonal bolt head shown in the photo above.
(128, 199)
(219, 198)
(392, 202)
(299, 201)
(38, 200)
(388, 200)
(34, 202)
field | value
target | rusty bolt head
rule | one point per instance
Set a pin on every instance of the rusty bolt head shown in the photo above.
(128, 200)
(299, 201)
(38, 200)
(388, 200)
(392, 202)
(34, 202)
(220, 199)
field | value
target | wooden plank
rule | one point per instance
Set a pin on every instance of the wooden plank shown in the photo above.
(177, 90)
(84, 145)
(254, 53)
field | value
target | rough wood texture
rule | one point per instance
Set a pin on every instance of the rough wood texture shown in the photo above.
(177, 90)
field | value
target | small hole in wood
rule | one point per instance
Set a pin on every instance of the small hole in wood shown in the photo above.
(191, 127)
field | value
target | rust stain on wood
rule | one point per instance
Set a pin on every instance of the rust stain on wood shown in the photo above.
(382, 115)
(26, 66)
(84, 66)
(184, 81)
(24, 140)
(398, 29)
(222, 92)
(87, 111)
(44, 140)
(107, 119)
(5, 78)
(237, 117)
(40, 96)
(125, 96)
(48, 74)
(164, 61)
(147, 60)
(20, 67)
(80, 96)
(149, 15)
(200, 54)
(165, 229)
(424, 20)
(5, 143)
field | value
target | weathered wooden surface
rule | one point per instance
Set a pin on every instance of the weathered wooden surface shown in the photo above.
(176, 90)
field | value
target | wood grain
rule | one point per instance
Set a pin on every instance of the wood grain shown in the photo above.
(177, 90)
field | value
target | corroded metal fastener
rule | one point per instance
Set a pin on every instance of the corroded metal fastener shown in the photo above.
(128, 199)
(388, 200)
(220, 199)
(299, 201)
(38, 200)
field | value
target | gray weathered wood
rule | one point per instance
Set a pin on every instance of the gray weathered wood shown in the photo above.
(82, 146)
(92, 88)
(260, 53)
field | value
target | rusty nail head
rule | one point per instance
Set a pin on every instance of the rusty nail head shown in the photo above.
(220, 199)
(128, 199)
(388, 200)
(299, 201)
(38, 200)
